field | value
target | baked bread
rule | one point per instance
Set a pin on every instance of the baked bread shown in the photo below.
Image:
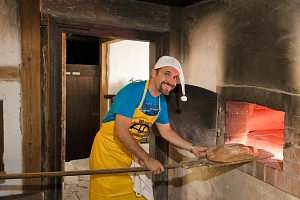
(231, 153)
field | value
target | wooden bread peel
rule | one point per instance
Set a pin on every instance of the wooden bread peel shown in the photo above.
(263, 154)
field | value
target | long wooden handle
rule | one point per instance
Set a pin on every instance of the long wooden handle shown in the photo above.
(186, 164)
(81, 172)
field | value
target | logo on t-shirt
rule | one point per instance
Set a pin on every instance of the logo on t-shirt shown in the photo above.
(150, 109)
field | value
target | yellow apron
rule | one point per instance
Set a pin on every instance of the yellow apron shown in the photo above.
(107, 152)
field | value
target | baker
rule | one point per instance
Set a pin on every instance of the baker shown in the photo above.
(134, 109)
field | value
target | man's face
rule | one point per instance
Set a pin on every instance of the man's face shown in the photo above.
(166, 79)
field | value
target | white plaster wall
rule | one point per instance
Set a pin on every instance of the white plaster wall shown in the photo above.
(12, 158)
(10, 48)
(126, 60)
(204, 51)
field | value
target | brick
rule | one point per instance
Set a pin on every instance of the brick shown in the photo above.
(238, 107)
(242, 168)
(287, 153)
(296, 139)
(281, 180)
(233, 118)
(236, 138)
(285, 102)
(286, 164)
(295, 108)
(250, 97)
(292, 135)
(234, 128)
(273, 99)
(292, 153)
(270, 175)
(249, 168)
(275, 164)
(292, 121)
(291, 167)
(259, 170)
(294, 168)
(294, 186)
(261, 96)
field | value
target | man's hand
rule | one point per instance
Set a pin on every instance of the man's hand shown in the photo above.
(200, 151)
(154, 165)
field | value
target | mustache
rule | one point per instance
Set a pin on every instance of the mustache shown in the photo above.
(169, 84)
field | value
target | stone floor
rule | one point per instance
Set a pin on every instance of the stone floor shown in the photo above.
(76, 187)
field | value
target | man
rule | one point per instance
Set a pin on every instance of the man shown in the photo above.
(135, 108)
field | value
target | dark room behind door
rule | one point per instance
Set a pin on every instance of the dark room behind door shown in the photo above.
(82, 95)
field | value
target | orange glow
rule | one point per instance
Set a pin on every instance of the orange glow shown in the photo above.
(265, 127)
(266, 130)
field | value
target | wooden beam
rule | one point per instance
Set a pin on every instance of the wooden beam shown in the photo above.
(83, 172)
(55, 131)
(103, 81)
(9, 73)
(30, 90)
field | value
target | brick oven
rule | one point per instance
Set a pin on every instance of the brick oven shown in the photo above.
(267, 119)
(255, 116)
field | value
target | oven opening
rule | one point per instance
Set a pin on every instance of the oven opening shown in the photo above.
(255, 125)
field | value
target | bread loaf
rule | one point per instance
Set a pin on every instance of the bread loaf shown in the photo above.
(231, 153)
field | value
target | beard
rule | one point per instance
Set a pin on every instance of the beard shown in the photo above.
(165, 88)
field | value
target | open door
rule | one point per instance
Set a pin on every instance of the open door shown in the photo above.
(82, 95)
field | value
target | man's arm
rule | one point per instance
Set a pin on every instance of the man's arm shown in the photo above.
(171, 136)
(122, 125)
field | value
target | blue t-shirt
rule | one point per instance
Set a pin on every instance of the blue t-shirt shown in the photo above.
(129, 98)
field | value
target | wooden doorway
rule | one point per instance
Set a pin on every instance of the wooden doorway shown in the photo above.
(54, 131)
(82, 95)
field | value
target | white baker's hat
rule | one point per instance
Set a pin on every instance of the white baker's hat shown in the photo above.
(172, 62)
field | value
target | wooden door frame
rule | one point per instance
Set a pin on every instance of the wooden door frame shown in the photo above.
(29, 77)
(53, 132)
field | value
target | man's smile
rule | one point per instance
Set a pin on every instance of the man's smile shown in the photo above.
(168, 84)
(166, 87)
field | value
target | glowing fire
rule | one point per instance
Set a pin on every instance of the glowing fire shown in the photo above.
(264, 127)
